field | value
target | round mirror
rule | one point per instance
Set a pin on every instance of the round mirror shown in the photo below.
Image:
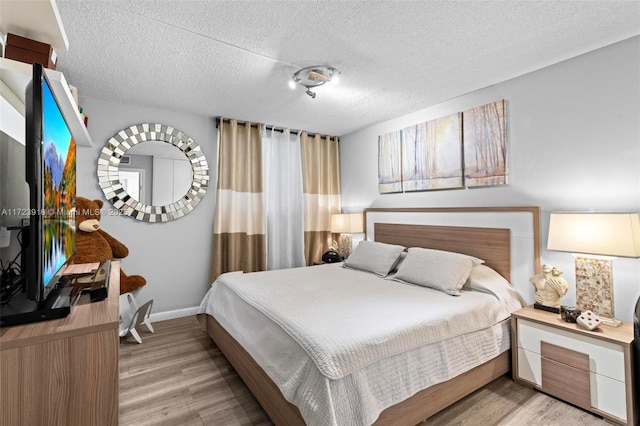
(153, 172)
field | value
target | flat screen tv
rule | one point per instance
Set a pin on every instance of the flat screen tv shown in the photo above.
(50, 171)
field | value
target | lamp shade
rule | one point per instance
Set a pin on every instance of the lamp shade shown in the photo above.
(348, 223)
(610, 234)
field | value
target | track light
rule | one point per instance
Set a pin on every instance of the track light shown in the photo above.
(313, 76)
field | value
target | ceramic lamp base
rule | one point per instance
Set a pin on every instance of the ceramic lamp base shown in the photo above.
(594, 285)
(346, 245)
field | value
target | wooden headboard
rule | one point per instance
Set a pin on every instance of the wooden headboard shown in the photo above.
(506, 238)
(492, 245)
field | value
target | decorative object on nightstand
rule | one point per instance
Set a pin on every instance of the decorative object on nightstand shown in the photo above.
(588, 320)
(331, 256)
(600, 234)
(550, 287)
(346, 224)
(569, 313)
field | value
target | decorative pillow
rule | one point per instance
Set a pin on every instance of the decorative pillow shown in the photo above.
(441, 270)
(371, 256)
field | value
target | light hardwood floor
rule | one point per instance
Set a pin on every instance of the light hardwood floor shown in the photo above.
(178, 377)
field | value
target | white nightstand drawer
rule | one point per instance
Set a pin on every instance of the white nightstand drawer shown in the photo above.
(530, 366)
(605, 358)
(608, 395)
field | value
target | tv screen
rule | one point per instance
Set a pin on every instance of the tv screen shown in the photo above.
(51, 174)
(59, 189)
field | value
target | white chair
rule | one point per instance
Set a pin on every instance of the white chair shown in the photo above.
(132, 316)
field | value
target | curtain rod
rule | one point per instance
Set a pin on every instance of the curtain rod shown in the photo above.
(277, 129)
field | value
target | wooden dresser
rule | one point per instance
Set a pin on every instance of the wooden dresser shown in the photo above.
(64, 371)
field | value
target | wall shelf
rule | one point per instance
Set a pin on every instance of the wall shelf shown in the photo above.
(16, 75)
(37, 20)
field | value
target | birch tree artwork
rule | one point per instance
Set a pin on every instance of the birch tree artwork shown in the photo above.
(432, 154)
(485, 145)
(390, 162)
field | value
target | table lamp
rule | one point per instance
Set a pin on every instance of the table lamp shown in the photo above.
(346, 224)
(595, 239)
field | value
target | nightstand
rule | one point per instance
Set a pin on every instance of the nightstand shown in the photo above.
(590, 369)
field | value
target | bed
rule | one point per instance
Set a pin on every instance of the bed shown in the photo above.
(286, 351)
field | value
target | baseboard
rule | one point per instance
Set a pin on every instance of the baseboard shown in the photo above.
(178, 313)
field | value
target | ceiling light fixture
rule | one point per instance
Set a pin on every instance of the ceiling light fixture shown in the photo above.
(314, 76)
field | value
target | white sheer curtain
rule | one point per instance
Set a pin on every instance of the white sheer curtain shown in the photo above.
(283, 198)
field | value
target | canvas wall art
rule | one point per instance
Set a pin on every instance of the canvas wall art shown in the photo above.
(465, 149)
(390, 162)
(485, 145)
(432, 154)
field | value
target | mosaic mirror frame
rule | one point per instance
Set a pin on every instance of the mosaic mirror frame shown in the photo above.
(122, 142)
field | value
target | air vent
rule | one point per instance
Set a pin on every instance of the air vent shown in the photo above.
(125, 160)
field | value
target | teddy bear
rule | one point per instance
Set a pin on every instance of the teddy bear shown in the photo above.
(95, 245)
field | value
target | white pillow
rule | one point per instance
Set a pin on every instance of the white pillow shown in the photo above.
(441, 270)
(483, 278)
(403, 255)
(375, 257)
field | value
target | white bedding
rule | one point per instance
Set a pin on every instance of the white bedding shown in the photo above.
(343, 345)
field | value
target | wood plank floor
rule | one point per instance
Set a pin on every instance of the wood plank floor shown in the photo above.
(178, 377)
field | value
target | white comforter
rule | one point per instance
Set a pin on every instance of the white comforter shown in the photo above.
(347, 325)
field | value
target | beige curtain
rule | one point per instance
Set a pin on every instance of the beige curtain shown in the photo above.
(321, 186)
(239, 231)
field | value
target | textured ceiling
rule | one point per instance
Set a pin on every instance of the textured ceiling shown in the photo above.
(234, 58)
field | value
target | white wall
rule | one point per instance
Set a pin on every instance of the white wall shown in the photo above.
(574, 144)
(174, 257)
